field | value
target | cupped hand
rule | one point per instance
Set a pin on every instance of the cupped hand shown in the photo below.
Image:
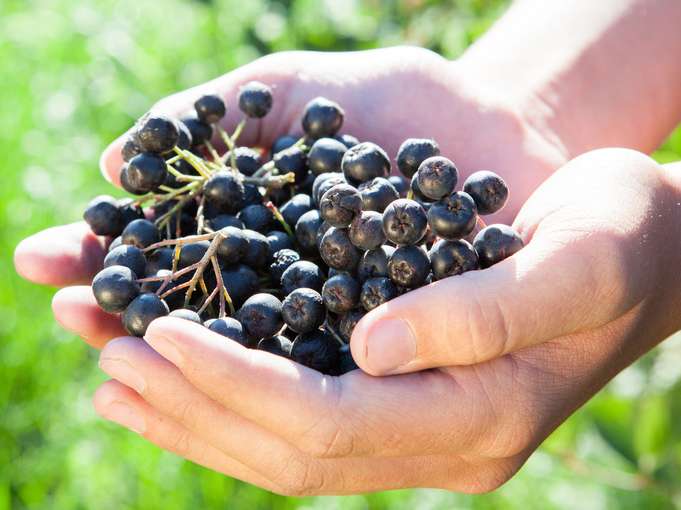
(515, 349)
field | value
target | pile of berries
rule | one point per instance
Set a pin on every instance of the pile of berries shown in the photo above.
(284, 250)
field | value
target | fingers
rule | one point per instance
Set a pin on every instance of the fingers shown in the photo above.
(60, 256)
(323, 416)
(482, 315)
(162, 386)
(77, 311)
(120, 404)
(271, 70)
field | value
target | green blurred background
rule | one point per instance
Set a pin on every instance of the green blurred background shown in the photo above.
(73, 75)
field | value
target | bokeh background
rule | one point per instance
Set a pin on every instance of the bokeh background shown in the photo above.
(73, 75)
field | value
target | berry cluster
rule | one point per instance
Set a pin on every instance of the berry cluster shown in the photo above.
(284, 250)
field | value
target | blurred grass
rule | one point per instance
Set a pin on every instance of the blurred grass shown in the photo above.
(73, 75)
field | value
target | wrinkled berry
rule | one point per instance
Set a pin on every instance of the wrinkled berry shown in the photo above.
(337, 250)
(376, 291)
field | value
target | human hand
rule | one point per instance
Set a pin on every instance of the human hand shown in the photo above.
(518, 348)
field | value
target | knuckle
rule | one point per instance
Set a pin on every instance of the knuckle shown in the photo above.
(185, 412)
(488, 328)
(301, 477)
(489, 477)
(181, 443)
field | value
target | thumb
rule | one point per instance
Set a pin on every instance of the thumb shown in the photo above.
(548, 289)
(257, 132)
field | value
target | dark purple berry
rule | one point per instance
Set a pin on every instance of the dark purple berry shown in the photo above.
(128, 256)
(337, 250)
(255, 99)
(450, 258)
(306, 230)
(489, 191)
(366, 231)
(316, 350)
(348, 140)
(282, 260)
(260, 316)
(247, 160)
(408, 266)
(200, 131)
(104, 216)
(146, 172)
(283, 142)
(210, 108)
(157, 134)
(340, 205)
(341, 293)
(225, 220)
(346, 362)
(241, 283)
(293, 160)
(400, 184)
(142, 311)
(323, 183)
(494, 243)
(348, 322)
(404, 222)
(365, 161)
(413, 152)
(277, 241)
(258, 250)
(278, 345)
(302, 274)
(129, 210)
(256, 217)
(192, 253)
(303, 310)
(186, 314)
(454, 216)
(374, 263)
(184, 138)
(437, 177)
(140, 233)
(376, 291)
(325, 156)
(159, 259)
(294, 208)
(322, 118)
(228, 327)
(114, 288)
(377, 194)
(130, 148)
(225, 192)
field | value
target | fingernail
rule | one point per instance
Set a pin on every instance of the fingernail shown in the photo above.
(123, 372)
(166, 348)
(125, 415)
(390, 345)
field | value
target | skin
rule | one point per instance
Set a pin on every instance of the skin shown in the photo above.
(514, 349)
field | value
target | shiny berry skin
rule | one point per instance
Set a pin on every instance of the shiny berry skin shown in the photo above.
(293, 159)
(129, 210)
(210, 108)
(157, 133)
(252, 195)
(104, 216)
(325, 156)
(454, 216)
(260, 316)
(277, 241)
(283, 142)
(341, 293)
(377, 194)
(126, 184)
(200, 131)
(374, 263)
(316, 350)
(405, 222)
(416, 191)
(337, 250)
(192, 253)
(225, 192)
(130, 148)
(323, 183)
(159, 259)
(376, 291)
(184, 138)
(143, 310)
(348, 140)
(278, 345)
(366, 230)
(247, 160)
(114, 288)
(365, 161)
(437, 177)
(186, 314)
(128, 256)
(256, 217)
(489, 191)
(302, 274)
(303, 310)
(340, 205)
(306, 230)
(400, 184)
(413, 152)
(348, 322)
(450, 258)
(496, 242)
(282, 260)
(228, 327)
(258, 250)
(408, 266)
(115, 243)
(294, 208)
(225, 220)
(255, 99)
(322, 118)
(241, 283)
(140, 233)
(146, 172)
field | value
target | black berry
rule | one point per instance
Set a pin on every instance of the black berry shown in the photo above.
(405, 222)
(494, 243)
(282, 260)
(316, 350)
(186, 314)
(224, 191)
(114, 287)
(260, 316)
(408, 266)
(454, 216)
(200, 131)
(302, 274)
(140, 233)
(413, 152)
(322, 118)
(437, 177)
(326, 155)
(450, 258)
(228, 327)
(365, 161)
(144, 309)
(489, 191)
(337, 250)
(255, 99)
(303, 310)
(278, 345)
(374, 263)
(256, 217)
(157, 133)
(341, 293)
(377, 194)
(128, 256)
(146, 172)
(366, 231)
(210, 108)
(306, 230)
(104, 216)
(340, 205)
(376, 291)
